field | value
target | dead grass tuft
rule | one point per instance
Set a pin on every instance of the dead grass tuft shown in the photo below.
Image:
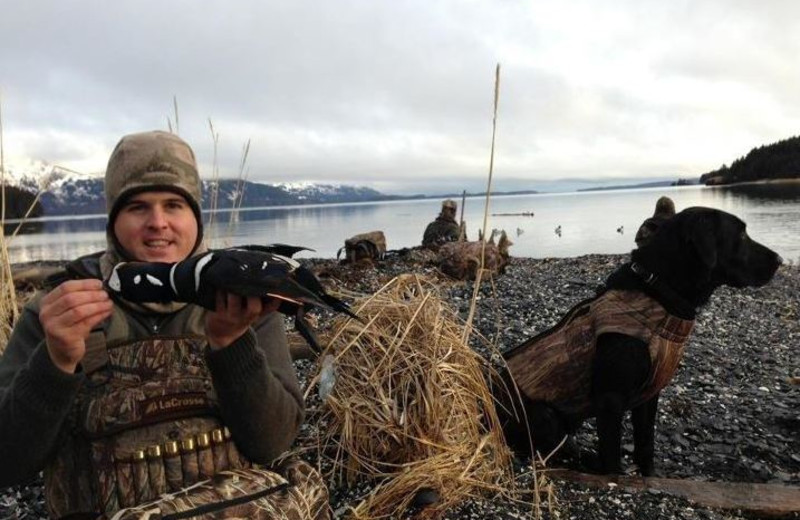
(8, 296)
(9, 311)
(410, 408)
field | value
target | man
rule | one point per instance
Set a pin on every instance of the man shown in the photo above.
(665, 209)
(90, 386)
(444, 228)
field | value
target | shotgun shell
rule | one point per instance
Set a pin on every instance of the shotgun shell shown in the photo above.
(172, 466)
(155, 469)
(189, 462)
(171, 448)
(219, 450)
(217, 436)
(141, 477)
(205, 459)
(203, 440)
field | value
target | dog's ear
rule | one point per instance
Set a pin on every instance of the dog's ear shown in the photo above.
(702, 235)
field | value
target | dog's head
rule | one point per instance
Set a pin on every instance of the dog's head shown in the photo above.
(706, 248)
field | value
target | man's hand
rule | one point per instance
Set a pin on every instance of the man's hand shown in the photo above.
(68, 314)
(233, 315)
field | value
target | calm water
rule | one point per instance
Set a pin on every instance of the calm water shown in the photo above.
(588, 220)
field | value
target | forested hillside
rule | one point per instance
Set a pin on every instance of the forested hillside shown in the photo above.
(779, 160)
(18, 202)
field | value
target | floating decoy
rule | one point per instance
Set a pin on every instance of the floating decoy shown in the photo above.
(260, 271)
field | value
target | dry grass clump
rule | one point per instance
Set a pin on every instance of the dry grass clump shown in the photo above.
(410, 408)
(8, 296)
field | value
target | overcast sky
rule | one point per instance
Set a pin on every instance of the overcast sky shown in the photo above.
(397, 95)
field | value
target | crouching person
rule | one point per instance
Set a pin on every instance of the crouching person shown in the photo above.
(151, 409)
(444, 228)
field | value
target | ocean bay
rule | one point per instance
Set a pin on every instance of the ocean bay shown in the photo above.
(601, 222)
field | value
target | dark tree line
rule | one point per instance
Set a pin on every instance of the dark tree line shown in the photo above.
(17, 202)
(779, 160)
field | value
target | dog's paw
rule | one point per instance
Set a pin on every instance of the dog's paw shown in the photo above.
(593, 464)
(645, 470)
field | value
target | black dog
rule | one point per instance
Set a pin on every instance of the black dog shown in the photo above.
(696, 251)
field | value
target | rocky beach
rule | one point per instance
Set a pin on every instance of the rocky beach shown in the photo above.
(731, 414)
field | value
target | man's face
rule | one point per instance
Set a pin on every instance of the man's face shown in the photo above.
(156, 226)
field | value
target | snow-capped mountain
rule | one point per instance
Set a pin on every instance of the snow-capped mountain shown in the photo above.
(70, 193)
(39, 175)
(309, 191)
(63, 191)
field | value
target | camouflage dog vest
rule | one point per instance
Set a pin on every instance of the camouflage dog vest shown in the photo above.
(556, 365)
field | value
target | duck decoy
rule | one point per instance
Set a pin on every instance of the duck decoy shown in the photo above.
(260, 271)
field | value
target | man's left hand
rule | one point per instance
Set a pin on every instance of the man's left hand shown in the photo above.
(233, 315)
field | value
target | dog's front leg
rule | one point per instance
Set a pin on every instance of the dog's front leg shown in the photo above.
(644, 427)
(610, 410)
(620, 367)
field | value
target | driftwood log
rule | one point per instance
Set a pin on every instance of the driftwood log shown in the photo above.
(765, 500)
(31, 275)
(461, 260)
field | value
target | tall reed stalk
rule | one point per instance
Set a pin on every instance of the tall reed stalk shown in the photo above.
(478, 275)
(8, 296)
(177, 129)
(177, 121)
(240, 184)
(214, 182)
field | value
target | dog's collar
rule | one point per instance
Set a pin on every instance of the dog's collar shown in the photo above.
(646, 276)
(665, 294)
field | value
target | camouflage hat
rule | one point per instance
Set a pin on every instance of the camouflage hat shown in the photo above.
(152, 161)
(449, 204)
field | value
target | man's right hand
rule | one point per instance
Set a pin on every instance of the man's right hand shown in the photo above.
(68, 314)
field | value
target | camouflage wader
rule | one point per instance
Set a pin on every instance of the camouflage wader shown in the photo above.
(146, 425)
(246, 494)
(556, 366)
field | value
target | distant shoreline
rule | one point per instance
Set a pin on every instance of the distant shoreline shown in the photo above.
(757, 182)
